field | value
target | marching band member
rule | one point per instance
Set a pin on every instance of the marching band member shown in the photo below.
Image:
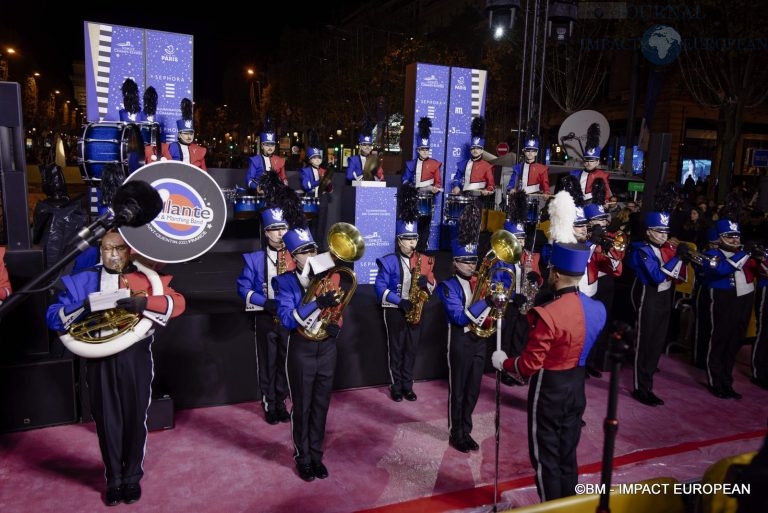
(119, 385)
(562, 332)
(591, 158)
(703, 300)
(267, 161)
(310, 363)
(760, 347)
(425, 174)
(657, 266)
(731, 285)
(185, 150)
(529, 175)
(474, 174)
(405, 281)
(466, 351)
(356, 164)
(254, 286)
(316, 184)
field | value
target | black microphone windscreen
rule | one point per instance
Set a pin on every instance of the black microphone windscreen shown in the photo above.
(136, 203)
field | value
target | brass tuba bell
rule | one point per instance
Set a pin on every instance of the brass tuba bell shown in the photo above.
(346, 244)
(506, 248)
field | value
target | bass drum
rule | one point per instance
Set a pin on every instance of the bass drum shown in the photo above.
(106, 143)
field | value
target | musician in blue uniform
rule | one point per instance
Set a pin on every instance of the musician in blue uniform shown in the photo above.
(466, 350)
(310, 359)
(311, 177)
(266, 161)
(731, 284)
(562, 332)
(400, 275)
(586, 176)
(530, 176)
(254, 286)
(357, 165)
(119, 384)
(185, 149)
(657, 266)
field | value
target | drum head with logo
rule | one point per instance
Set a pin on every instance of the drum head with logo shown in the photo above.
(192, 219)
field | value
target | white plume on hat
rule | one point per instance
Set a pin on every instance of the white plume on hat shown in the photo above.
(562, 214)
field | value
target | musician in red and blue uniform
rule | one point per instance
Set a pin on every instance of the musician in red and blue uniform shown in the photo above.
(591, 158)
(310, 176)
(120, 384)
(185, 149)
(266, 161)
(731, 285)
(424, 173)
(254, 286)
(561, 335)
(310, 363)
(466, 351)
(474, 174)
(530, 176)
(658, 266)
(393, 287)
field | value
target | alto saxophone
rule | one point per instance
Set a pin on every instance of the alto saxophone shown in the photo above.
(281, 266)
(417, 295)
(527, 288)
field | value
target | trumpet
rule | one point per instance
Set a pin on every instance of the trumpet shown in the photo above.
(617, 241)
(347, 244)
(696, 257)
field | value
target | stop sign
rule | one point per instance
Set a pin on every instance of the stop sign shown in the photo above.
(502, 149)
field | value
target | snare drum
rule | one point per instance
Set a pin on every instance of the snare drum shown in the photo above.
(311, 205)
(151, 135)
(454, 206)
(248, 207)
(426, 203)
(109, 143)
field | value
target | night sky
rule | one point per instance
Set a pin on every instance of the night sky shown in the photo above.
(223, 39)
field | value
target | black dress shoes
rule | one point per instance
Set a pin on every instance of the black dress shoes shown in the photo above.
(320, 470)
(131, 493)
(470, 442)
(718, 392)
(507, 380)
(271, 417)
(409, 395)
(731, 393)
(647, 398)
(591, 371)
(460, 444)
(282, 414)
(113, 496)
(305, 472)
(396, 396)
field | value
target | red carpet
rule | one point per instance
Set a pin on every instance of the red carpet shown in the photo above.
(383, 457)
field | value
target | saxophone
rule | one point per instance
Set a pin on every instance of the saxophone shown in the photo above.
(417, 295)
(527, 288)
(281, 267)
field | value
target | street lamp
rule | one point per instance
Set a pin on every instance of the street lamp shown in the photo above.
(542, 19)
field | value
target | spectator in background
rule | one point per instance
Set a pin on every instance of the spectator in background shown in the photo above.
(5, 282)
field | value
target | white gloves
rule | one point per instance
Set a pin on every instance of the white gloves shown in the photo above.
(498, 358)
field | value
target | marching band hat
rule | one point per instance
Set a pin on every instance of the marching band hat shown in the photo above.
(531, 143)
(592, 153)
(477, 131)
(366, 139)
(592, 212)
(657, 221)
(268, 138)
(406, 229)
(569, 258)
(581, 219)
(185, 124)
(425, 130)
(514, 228)
(464, 252)
(299, 240)
(273, 219)
(727, 228)
(314, 152)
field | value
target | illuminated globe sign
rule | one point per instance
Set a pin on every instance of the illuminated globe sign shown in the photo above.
(661, 44)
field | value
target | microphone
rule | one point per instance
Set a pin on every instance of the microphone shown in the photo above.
(136, 203)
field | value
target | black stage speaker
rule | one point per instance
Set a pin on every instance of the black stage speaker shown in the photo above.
(656, 168)
(160, 415)
(27, 318)
(37, 394)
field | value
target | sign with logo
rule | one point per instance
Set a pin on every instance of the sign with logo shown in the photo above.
(635, 186)
(375, 219)
(502, 149)
(192, 219)
(760, 158)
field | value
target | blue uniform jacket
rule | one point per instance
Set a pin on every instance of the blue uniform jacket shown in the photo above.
(251, 284)
(289, 294)
(255, 170)
(452, 294)
(648, 269)
(354, 167)
(721, 276)
(308, 182)
(388, 284)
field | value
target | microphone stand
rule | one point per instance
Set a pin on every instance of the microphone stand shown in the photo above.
(617, 354)
(497, 419)
(87, 235)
